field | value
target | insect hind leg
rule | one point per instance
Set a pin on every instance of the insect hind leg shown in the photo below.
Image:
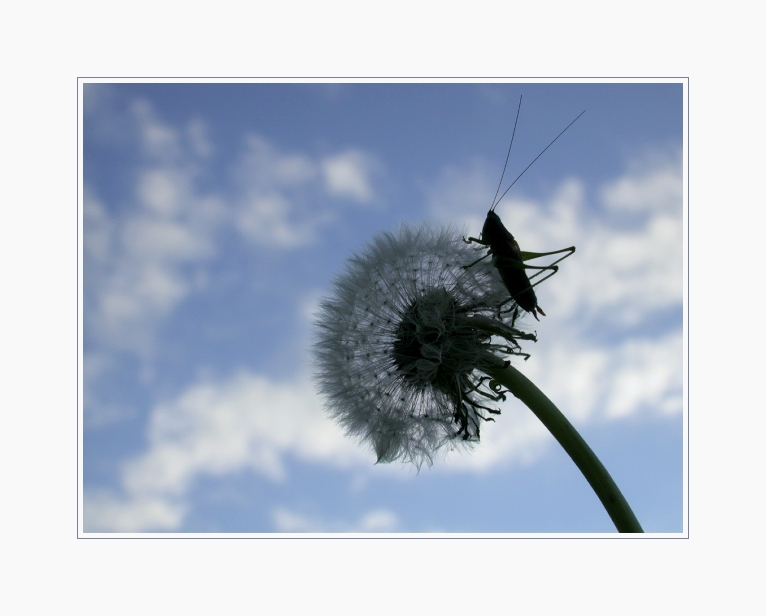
(534, 255)
(528, 256)
(555, 269)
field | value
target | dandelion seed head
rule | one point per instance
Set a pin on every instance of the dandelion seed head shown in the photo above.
(403, 341)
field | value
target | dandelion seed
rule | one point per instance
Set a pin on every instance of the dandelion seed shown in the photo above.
(406, 340)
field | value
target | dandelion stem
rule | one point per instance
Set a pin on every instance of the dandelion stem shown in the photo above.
(582, 455)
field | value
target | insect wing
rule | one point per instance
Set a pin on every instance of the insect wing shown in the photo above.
(517, 282)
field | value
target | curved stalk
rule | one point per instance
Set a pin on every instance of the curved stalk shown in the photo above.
(582, 455)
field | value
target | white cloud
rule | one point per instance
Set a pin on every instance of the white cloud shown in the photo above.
(147, 254)
(463, 194)
(262, 167)
(284, 197)
(347, 175)
(138, 275)
(375, 521)
(265, 219)
(653, 184)
(245, 422)
(271, 210)
(105, 512)
(646, 373)
(159, 141)
(141, 258)
(596, 381)
(159, 192)
(215, 428)
(138, 257)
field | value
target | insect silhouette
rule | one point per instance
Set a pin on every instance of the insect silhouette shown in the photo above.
(507, 257)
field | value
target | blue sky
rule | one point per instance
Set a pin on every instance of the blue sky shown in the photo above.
(215, 217)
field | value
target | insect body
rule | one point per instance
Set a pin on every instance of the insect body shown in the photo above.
(509, 260)
(507, 257)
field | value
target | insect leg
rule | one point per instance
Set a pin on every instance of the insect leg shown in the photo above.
(542, 279)
(555, 269)
(473, 240)
(534, 255)
(526, 256)
(541, 269)
(551, 269)
(520, 265)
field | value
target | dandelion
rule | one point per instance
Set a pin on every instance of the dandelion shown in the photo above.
(413, 354)
(406, 340)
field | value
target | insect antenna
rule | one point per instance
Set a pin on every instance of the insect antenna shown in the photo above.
(495, 200)
(536, 157)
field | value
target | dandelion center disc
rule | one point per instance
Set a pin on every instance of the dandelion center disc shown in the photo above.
(426, 339)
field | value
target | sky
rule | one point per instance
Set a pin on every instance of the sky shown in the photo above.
(215, 217)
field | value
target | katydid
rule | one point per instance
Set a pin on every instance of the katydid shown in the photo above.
(507, 257)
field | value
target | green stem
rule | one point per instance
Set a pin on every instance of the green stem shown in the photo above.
(582, 455)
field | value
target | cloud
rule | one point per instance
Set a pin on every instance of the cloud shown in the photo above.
(244, 422)
(285, 199)
(462, 194)
(653, 184)
(103, 512)
(592, 381)
(375, 521)
(265, 219)
(263, 167)
(148, 252)
(140, 257)
(137, 266)
(347, 175)
(157, 140)
(647, 373)
(217, 427)
(271, 207)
